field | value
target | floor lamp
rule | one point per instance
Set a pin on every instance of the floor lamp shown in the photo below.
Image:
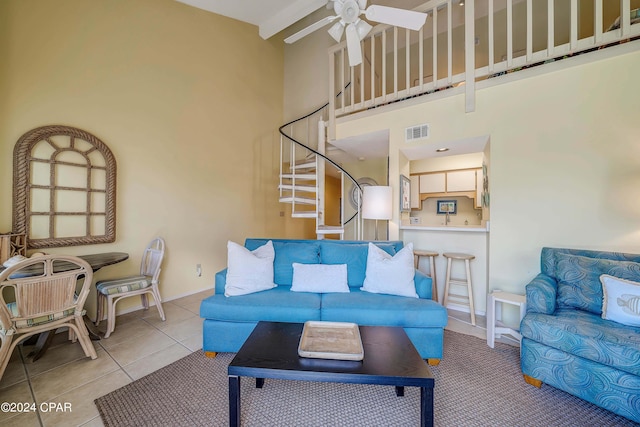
(377, 201)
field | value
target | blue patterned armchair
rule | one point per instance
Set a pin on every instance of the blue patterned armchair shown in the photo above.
(565, 341)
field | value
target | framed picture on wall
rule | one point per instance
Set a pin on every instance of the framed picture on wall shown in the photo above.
(447, 207)
(405, 194)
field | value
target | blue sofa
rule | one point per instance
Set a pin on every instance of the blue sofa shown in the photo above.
(565, 341)
(228, 321)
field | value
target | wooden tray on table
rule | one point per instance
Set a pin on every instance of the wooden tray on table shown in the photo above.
(331, 340)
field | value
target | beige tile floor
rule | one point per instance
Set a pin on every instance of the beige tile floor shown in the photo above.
(141, 344)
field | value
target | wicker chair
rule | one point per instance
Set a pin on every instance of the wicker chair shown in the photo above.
(113, 290)
(45, 300)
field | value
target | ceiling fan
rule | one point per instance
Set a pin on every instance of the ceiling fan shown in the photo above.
(348, 12)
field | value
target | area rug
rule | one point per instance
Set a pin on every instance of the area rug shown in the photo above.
(474, 386)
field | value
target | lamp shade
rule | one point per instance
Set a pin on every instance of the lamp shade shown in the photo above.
(377, 201)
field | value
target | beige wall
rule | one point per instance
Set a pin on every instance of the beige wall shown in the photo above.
(306, 68)
(188, 101)
(564, 153)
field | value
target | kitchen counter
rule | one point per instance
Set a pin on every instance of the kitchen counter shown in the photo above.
(467, 228)
(471, 239)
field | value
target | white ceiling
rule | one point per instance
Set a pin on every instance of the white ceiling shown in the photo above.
(455, 148)
(271, 16)
(374, 145)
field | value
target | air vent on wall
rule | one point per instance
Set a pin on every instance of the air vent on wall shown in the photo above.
(416, 132)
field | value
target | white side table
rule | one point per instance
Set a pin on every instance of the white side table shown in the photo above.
(494, 314)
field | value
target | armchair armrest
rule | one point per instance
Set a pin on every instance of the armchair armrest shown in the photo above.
(541, 294)
(423, 285)
(221, 280)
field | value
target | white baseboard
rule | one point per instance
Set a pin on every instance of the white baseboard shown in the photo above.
(464, 309)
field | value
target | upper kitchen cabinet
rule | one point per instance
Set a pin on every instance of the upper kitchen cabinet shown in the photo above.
(415, 192)
(462, 182)
(479, 183)
(433, 183)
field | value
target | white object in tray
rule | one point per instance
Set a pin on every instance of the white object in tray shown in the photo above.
(331, 340)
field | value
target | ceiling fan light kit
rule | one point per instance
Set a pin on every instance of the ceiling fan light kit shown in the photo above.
(349, 11)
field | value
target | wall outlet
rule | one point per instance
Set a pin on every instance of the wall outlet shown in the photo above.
(414, 220)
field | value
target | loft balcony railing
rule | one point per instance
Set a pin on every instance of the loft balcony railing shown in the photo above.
(465, 44)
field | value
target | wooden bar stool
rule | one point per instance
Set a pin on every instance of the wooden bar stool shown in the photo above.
(417, 253)
(464, 299)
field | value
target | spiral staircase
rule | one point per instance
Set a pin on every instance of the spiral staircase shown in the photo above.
(303, 165)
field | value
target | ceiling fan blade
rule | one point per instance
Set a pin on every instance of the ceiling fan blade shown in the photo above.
(353, 46)
(396, 17)
(336, 31)
(310, 29)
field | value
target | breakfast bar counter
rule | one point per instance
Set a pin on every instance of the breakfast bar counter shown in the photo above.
(462, 228)
(472, 239)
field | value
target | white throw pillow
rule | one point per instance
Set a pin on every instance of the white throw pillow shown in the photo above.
(249, 271)
(319, 278)
(621, 300)
(388, 274)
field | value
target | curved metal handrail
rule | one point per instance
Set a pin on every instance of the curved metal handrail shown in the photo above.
(316, 152)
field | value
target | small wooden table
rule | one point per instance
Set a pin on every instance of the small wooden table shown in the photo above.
(271, 351)
(494, 314)
(96, 261)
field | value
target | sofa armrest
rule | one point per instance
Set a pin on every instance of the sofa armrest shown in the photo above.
(541, 294)
(221, 280)
(423, 285)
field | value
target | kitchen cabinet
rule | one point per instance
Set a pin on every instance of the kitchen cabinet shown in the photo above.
(415, 192)
(479, 188)
(464, 180)
(433, 183)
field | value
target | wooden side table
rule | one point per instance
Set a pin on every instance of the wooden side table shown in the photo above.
(494, 314)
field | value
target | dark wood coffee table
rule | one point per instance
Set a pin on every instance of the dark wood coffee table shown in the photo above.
(271, 351)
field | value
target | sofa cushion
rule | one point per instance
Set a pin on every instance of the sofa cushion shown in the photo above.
(548, 257)
(621, 300)
(304, 252)
(391, 275)
(579, 279)
(586, 335)
(319, 278)
(352, 254)
(275, 305)
(369, 309)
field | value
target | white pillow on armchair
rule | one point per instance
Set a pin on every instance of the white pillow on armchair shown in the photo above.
(621, 300)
